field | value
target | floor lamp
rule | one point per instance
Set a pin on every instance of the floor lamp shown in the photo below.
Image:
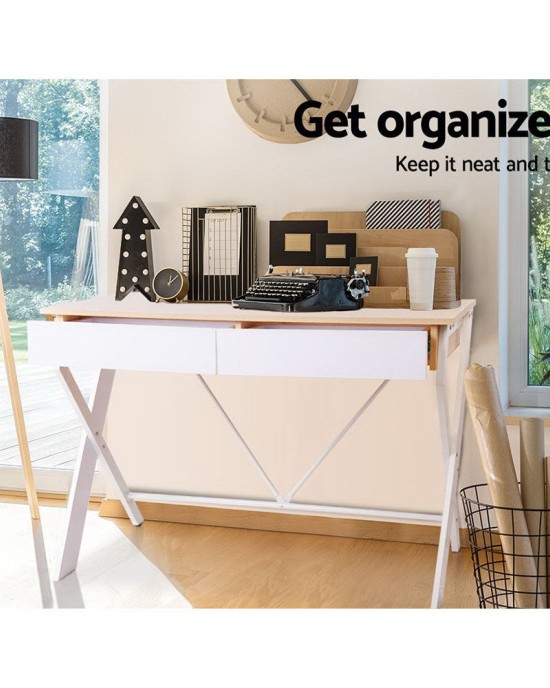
(18, 162)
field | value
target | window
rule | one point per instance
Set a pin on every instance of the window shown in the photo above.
(49, 248)
(539, 246)
(529, 257)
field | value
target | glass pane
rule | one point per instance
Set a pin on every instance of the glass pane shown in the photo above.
(539, 244)
(48, 249)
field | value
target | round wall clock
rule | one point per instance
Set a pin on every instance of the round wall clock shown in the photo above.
(170, 284)
(267, 106)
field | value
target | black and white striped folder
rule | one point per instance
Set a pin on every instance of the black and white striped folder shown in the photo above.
(415, 214)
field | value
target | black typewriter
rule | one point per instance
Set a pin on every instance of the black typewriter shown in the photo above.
(300, 292)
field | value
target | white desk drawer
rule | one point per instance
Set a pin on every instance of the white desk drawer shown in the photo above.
(164, 347)
(373, 353)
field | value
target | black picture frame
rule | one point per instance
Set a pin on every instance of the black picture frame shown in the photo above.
(367, 263)
(279, 233)
(338, 241)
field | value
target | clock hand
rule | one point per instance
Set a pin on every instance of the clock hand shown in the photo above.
(171, 279)
(301, 89)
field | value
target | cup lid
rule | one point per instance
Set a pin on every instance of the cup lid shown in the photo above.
(422, 252)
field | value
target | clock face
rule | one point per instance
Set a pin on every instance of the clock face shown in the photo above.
(267, 106)
(170, 285)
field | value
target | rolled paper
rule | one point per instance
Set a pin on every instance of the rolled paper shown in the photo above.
(532, 474)
(502, 483)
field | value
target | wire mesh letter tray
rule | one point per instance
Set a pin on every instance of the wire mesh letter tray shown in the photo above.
(219, 251)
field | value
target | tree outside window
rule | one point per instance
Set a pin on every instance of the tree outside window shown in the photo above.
(539, 244)
(48, 228)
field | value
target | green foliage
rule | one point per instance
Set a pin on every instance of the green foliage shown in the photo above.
(21, 303)
(18, 331)
(539, 189)
(39, 220)
(24, 303)
(539, 263)
(539, 342)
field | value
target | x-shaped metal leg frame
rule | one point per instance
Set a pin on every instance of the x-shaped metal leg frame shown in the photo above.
(93, 445)
(287, 499)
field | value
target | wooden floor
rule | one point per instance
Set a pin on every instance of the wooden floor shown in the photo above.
(230, 567)
(52, 427)
(213, 567)
(112, 572)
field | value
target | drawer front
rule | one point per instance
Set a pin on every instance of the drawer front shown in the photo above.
(359, 353)
(167, 348)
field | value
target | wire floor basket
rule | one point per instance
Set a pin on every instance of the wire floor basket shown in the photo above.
(506, 576)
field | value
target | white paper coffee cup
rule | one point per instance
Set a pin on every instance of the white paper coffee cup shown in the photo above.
(421, 275)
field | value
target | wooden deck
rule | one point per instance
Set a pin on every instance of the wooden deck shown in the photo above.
(53, 429)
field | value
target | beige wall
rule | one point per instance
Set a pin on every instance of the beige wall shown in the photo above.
(180, 143)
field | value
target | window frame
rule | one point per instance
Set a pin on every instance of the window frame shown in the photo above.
(58, 480)
(514, 240)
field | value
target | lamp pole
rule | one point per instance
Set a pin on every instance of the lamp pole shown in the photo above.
(18, 162)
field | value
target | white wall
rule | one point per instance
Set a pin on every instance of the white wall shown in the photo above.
(180, 143)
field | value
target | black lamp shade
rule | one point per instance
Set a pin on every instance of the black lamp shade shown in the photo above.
(18, 148)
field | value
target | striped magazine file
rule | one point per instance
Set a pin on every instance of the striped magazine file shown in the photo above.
(416, 214)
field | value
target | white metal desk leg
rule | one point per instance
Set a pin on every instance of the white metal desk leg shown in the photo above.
(443, 416)
(448, 443)
(449, 525)
(457, 430)
(99, 446)
(444, 536)
(83, 476)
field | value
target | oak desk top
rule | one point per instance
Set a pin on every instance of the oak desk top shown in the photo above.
(134, 306)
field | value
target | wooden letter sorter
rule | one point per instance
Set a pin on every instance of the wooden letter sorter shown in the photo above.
(390, 246)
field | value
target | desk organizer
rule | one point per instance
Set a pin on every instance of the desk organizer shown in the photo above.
(219, 251)
(390, 246)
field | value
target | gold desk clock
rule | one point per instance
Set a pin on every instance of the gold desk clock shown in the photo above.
(170, 285)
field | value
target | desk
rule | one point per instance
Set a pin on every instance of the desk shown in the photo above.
(217, 339)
